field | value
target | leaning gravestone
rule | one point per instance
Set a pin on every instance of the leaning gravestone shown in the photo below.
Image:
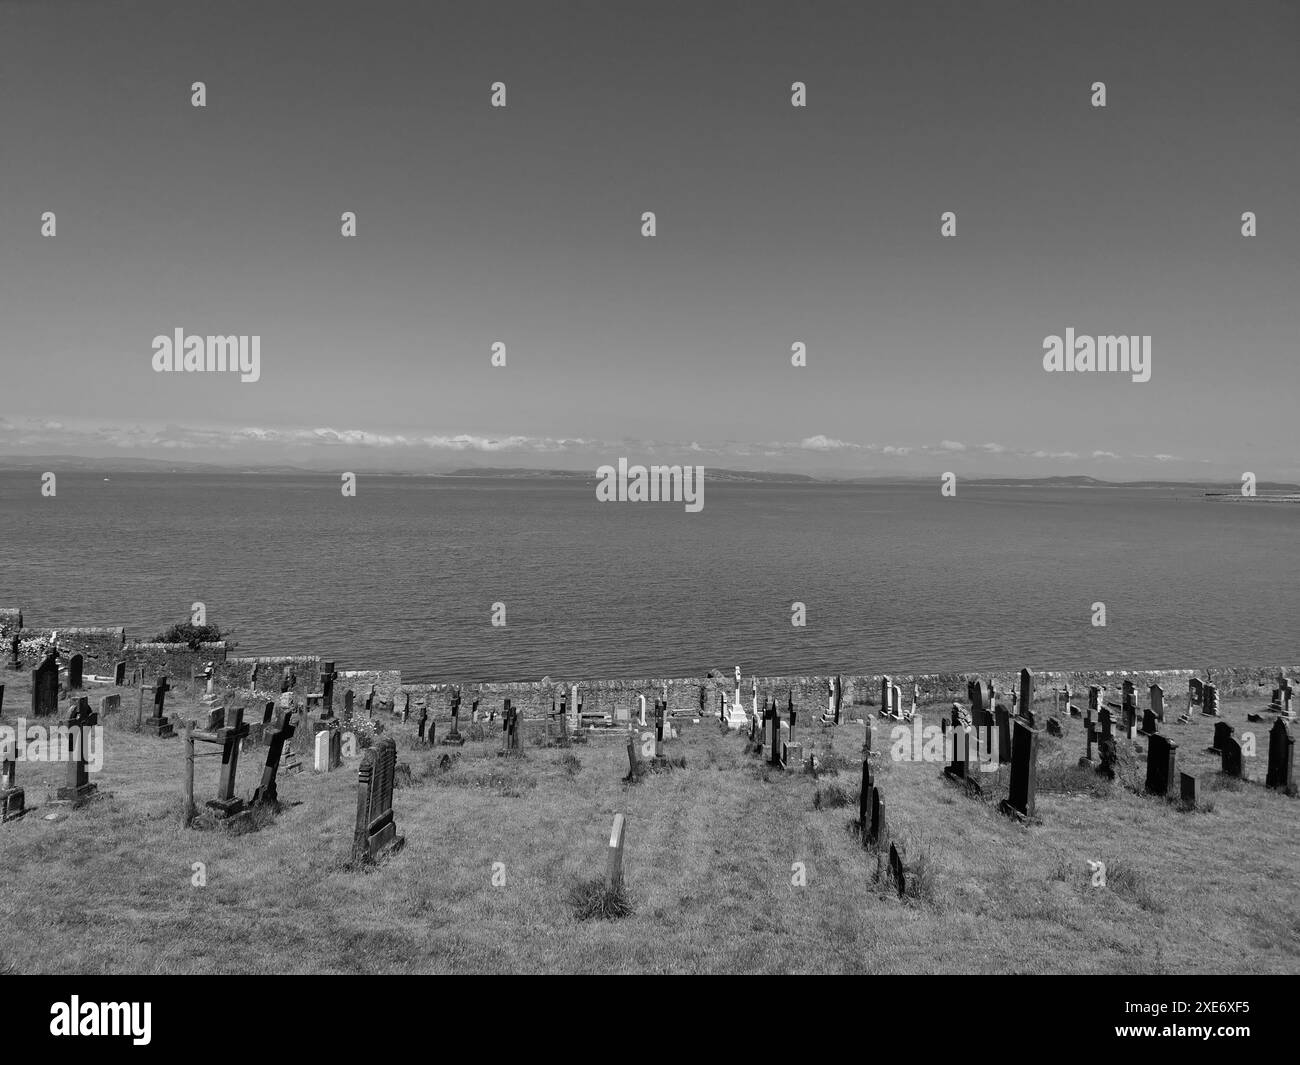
(278, 736)
(45, 687)
(230, 736)
(1158, 701)
(109, 704)
(1161, 761)
(1024, 772)
(79, 790)
(1281, 757)
(375, 834)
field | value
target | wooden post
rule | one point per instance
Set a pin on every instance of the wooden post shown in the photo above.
(614, 868)
(189, 772)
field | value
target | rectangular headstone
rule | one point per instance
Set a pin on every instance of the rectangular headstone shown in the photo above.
(1161, 761)
(614, 861)
(1158, 701)
(109, 704)
(1189, 788)
(75, 665)
(78, 789)
(322, 753)
(45, 688)
(1024, 771)
(119, 674)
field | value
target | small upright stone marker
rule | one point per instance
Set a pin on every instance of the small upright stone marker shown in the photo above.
(1281, 757)
(78, 790)
(614, 861)
(1161, 763)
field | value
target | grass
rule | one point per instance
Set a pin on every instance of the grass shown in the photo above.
(503, 865)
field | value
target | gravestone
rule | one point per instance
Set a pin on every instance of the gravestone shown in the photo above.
(75, 666)
(454, 738)
(1025, 702)
(1281, 757)
(1222, 733)
(276, 739)
(78, 789)
(119, 675)
(13, 662)
(216, 718)
(510, 728)
(1158, 701)
(323, 763)
(659, 719)
(1024, 772)
(791, 755)
(1161, 764)
(1189, 788)
(12, 801)
(375, 834)
(348, 698)
(45, 687)
(896, 871)
(896, 701)
(614, 859)
(1210, 701)
(1195, 692)
(1128, 704)
(230, 736)
(1281, 703)
(1230, 758)
(158, 724)
(1002, 718)
(1150, 726)
(2, 698)
(268, 712)
(1096, 700)
(886, 697)
(955, 734)
(877, 831)
(328, 676)
(422, 721)
(864, 799)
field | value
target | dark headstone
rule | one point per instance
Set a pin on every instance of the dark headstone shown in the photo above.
(1222, 733)
(1150, 726)
(12, 800)
(45, 687)
(864, 798)
(1195, 692)
(896, 871)
(877, 832)
(1024, 771)
(1281, 757)
(328, 675)
(1230, 758)
(1025, 704)
(158, 724)
(1157, 694)
(230, 736)
(1161, 761)
(1002, 717)
(75, 666)
(119, 674)
(276, 739)
(1189, 788)
(955, 735)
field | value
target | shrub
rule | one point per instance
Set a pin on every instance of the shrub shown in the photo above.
(187, 632)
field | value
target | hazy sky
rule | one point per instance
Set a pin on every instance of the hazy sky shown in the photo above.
(775, 224)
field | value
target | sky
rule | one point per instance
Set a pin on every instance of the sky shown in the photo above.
(774, 225)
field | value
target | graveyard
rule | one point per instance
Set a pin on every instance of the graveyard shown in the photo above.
(731, 861)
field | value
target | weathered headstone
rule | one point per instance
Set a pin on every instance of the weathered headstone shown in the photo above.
(13, 662)
(216, 718)
(1158, 701)
(349, 697)
(1222, 733)
(1195, 692)
(375, 834)
(75, 666)
(158, 724)
(955, 741)
(78, 790)
(279, 735)
(1210, 701)
(119, 674)
(45, 687)
(322, 761)
(1161, 764)
(1281, 757)
(1150, 726)
(422, 721)
(614, 859)
(1024, 771)
(328, 675)
(1189, 788)
(230, 736)
(455, 739)
(1002, 718)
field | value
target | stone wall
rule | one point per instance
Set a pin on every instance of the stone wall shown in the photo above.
(267, 674)
(386, 684)
(11, 620)
(100, 649)
(177, 661)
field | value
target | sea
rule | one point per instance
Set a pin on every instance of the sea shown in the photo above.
(778, 578)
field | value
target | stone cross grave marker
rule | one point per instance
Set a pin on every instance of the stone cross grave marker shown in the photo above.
(276, 739)
(230, 736)
(78, 789)
(375, 834)
(158, 723)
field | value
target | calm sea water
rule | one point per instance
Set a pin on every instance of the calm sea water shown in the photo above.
(894, 578)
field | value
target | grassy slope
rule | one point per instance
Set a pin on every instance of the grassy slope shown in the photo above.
(708, 867)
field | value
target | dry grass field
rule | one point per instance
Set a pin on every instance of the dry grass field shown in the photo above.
(710, 865)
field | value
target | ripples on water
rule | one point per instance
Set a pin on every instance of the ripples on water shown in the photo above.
(894, 578)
